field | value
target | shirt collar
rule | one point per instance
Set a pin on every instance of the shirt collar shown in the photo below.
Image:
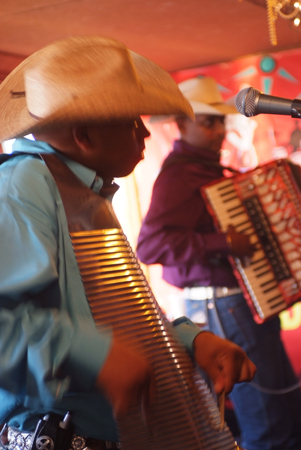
(86, 175)
(183, 146)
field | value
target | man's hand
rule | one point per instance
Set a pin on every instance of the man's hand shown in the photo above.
(240, 243)
(225, 362)
(126, 379)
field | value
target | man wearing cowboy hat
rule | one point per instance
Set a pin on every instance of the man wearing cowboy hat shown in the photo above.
(178, 233)
(81, 99)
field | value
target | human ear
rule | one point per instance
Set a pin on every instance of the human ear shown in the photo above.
(81, 137)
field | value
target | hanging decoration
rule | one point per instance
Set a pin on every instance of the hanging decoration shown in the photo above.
(286, 9)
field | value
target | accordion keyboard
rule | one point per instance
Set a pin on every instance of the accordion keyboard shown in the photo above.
(264, 206)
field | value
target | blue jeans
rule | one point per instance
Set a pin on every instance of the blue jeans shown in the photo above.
(269, 417)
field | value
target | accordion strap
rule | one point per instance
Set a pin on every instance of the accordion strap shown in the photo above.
(85, 210)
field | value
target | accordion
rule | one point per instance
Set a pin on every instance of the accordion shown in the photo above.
(264, 203)
(185, 414)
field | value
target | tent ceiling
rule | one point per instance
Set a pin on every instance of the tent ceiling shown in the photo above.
(176, 34)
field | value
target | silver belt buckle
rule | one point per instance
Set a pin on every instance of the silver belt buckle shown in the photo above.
(17, 439)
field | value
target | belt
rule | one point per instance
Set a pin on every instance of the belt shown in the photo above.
(13, 439)
(209, 292)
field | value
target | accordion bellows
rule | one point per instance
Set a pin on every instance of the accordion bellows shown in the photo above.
(184, 414)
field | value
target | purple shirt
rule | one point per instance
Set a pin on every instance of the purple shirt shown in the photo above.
(177, 231)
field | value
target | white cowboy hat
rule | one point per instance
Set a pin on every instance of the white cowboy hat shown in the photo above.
(204, 97)
(84, 79)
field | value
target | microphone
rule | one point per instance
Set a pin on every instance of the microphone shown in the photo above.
(250, 102)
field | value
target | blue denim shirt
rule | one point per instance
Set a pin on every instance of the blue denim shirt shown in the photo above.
(50, 349)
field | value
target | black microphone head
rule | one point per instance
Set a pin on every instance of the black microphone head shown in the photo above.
(246, 101)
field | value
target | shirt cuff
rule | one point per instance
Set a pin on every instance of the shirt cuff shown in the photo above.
(187, 332)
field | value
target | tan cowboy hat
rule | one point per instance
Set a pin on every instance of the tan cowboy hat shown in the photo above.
(204, 97)
(84, 79)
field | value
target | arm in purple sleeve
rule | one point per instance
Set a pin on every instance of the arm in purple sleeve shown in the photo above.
(177, 228)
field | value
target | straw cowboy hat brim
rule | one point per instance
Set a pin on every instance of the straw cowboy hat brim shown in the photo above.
(204, 98)
(84, 79)
(218, 109)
